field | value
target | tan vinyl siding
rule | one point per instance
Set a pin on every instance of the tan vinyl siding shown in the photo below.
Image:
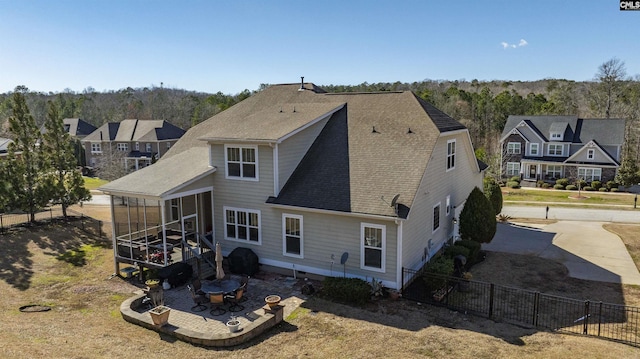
(291, 150)
(436, 185)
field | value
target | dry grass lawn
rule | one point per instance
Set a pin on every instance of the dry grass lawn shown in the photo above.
(59, 266)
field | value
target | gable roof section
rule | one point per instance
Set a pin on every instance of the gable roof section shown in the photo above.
(106, 132)
(78, 127)
(540, 124)
(592, 144)
(443, 121)
(604, 131)
(323, 170)
(578, 130)
(154, 181)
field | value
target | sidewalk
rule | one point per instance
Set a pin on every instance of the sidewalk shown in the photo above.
(571, 214)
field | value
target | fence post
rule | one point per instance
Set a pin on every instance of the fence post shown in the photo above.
(599, 317)
(491, 291)
(536, 308)
(585, 325)
(1, 224)
(402, 281)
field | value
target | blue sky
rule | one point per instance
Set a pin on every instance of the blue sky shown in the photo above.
(230, 46)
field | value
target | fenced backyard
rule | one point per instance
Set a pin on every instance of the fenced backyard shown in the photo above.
(74, 218)
(524, 307)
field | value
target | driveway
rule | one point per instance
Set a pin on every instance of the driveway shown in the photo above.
(585, 248)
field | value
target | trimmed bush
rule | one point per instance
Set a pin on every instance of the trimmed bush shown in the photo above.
(474, 250)
(596, 185)
(477, 219)
(558, 186)
(347, 290)
(581, 183)
(540, 183)
(563, 181)
(603, 189)
(571, 187)
(615, 189)
(515, 179)
(494, 194)
(513, 184)
(589, 188)
(611, 184)
(455, 250)
(546, 185)
(441, 267)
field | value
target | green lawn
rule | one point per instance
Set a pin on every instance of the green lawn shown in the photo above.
(560, 196)
(93, 182)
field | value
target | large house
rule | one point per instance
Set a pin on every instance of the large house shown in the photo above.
(4, 146)
(553, 147)
(141, 142)
(315, 182)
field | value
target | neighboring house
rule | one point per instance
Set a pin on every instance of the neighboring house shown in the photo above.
(142, 141)
(75, 127)
(4, 146)
(553, 147)
(302, 177)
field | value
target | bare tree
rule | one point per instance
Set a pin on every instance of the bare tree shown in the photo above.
(611, 76)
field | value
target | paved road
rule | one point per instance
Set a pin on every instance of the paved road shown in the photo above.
(573, 214)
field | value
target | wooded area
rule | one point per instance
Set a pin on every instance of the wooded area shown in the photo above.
(482, 106)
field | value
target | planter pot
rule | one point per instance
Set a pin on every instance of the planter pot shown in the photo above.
(233, 325)
(394, 295)
(152, 283)
(160, 315)
(272, 300)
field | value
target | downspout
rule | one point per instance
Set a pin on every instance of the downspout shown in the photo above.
(399, 266)
(113, 237)
(276, 176)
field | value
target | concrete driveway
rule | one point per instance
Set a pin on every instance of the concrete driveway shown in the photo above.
(585, 248)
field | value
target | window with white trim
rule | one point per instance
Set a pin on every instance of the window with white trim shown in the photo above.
(436, 217)
(451, 154)
(591, 154)
(555, 149)
(174, 206)
(148, 147)
(292, 235)
(448, 204)
(137, 146)
(513, 168)
(533, 149)
(554, 171)
(96, 147)
(556, 136)
(168, 145)
(373, 239)
(123, 147)
(242, 224)
(590, 174)
(513, 147)
(241, 162)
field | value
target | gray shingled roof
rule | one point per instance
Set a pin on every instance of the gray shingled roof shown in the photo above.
(78, 127)
(106, 132)
(4, 144)
(164, 177)
(136, 130)
(604, 131)
(349, 167)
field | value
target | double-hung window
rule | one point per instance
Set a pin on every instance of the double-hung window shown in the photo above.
(137, 146)
(242, 224)
(149, 147)
(590, 174)
(451, 154)
(292, 233)
(533, 149)
(513, 148)
(96, 147)
(513, 168)
(242, 162)
(373, 239)
(555, 150)
(591, 154)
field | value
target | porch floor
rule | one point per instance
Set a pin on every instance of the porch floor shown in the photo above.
(202, 328)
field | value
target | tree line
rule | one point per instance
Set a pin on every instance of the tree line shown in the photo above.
(40, 168)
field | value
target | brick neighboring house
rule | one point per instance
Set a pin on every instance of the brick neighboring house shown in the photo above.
(553, 147)
(4, 146)
(142, 141)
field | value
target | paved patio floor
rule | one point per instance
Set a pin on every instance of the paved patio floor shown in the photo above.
(206, 329)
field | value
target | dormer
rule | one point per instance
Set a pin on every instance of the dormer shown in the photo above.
(557, 131)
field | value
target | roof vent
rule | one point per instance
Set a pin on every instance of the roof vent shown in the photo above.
(409, 130)
(301, 83)
(294, 109)
(374, 130)
(280, 109)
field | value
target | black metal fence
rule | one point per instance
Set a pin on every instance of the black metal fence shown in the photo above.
(76, 219)
(524, 307)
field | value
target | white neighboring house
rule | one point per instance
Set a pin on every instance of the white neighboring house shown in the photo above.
(300, 177)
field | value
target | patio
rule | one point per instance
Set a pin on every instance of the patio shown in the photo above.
(202, 328)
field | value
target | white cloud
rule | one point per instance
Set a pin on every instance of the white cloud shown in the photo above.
(506, 45)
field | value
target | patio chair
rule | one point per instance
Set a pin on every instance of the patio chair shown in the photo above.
(234, 298)
(217, 301)
(199, 299)
(197, 285)
(244, 282)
